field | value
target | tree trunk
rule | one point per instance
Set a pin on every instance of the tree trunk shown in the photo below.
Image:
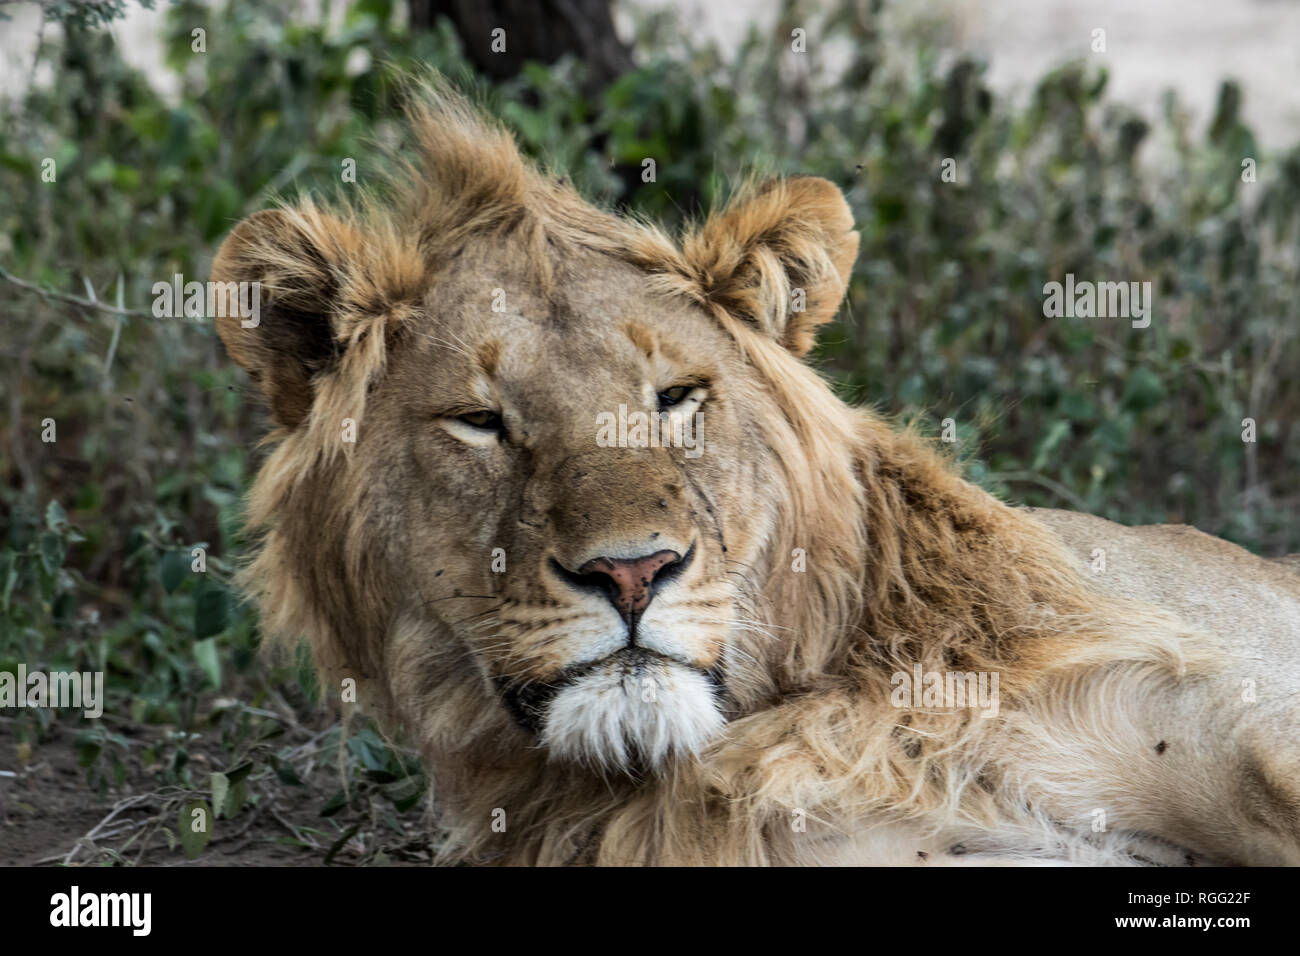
(542, 30)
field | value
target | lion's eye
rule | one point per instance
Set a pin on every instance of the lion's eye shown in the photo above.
(487, 421)
(674, 396)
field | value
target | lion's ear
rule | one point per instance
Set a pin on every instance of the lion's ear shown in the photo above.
(779, 257)
(297, 258)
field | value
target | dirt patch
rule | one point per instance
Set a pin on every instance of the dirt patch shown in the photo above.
(50, 814)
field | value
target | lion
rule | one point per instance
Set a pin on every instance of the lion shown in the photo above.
(774, 629)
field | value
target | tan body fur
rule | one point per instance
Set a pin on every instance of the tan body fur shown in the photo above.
(1148, 712)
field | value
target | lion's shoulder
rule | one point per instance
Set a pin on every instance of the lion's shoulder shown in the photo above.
(1291, 561)
(1211, 583)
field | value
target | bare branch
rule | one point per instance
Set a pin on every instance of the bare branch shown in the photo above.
(69, 298)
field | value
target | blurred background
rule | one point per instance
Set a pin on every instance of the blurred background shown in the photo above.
(1170, 155)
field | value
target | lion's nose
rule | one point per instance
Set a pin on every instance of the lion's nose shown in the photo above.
(630, 583)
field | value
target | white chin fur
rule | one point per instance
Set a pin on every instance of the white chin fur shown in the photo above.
(616, 715)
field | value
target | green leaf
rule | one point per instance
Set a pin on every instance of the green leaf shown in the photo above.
(205, 653)
(101, 171)
(55, 517)
(341, 841)
(220, 785)
(370, 749)
(238, 797)
(211, 611)
(1143, 389)
(53, 551)
(238, 778)
(9, 562)
(172, 568)
(334, 804)
(88, 752)
(1059, 431)
(405, 793)
(286, 772)
(195, 827)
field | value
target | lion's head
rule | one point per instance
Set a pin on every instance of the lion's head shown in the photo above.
(534, 464)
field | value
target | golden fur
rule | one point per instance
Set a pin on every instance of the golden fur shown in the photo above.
(380, 552)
